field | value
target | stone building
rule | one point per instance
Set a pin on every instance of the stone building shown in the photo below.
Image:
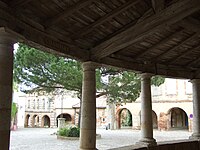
(43, 110)
(171, 107)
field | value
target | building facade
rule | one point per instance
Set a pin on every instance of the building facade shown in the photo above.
(172, 107)
(43, 110)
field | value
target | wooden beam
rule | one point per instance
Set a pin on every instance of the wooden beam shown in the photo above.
(158, 5)
(196, 74)
(168, 16)
(127, 26)
(18, 3)
(175, 47)
(105, 18)
(189, 64)
(39, 38)
(158, 44)
(156, 69)
(184, 53)
(57, 18)
(190, 24)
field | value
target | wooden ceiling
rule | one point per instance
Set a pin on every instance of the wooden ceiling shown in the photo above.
(155, 36)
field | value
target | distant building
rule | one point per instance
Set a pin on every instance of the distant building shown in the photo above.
(171, 103)
(43, 110)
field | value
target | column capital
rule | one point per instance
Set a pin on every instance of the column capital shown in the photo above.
(195, 81)
(146, 75)
(89, 65)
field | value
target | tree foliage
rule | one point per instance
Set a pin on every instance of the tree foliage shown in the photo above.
(14, 110)
(125, 86)
(39, 70)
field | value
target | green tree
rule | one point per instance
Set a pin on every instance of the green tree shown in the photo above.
(125, 86)
(13, 113)
(14, 110)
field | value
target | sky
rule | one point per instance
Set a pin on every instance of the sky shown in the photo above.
(16, 46)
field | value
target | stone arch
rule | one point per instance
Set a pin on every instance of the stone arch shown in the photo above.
(68, 118)
(124, 118)
(154, 119)
(45, 121)
(35, 121)
(178, 118)
(26, 124)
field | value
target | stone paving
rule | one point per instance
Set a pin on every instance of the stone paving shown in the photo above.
(44, 139)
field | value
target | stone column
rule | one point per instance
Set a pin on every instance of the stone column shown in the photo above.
(196, 108)
(6, 77)
(146, 111)
(88, 108)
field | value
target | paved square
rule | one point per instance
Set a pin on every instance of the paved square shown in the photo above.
(44, 139)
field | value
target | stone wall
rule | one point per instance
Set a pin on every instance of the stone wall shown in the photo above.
(169, 145)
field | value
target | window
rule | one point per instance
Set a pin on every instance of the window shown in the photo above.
(28, 104)
(43, 106)
(34, 104)
(38, 104)
(49, 104)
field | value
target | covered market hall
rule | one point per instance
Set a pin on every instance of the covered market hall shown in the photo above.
(151, 37)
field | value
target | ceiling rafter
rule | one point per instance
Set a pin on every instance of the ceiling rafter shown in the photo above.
(194, 25)
(130, 60)
(156, 69)
(184, 53)
(168, 16)
(158, 44)
(190, 24)
(18, 3)
(158, 5)
(126, 26)
(67, 12)
(105, 18)
(30, 33)
(175, 47)
(194, 61)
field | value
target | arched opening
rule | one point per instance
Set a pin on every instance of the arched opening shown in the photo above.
(154, 119)
(26, 124)
(178, 118)
(35, 121)
(68, 118)
(124, 118)
(45, 121)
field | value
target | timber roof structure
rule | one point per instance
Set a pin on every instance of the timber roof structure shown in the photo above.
(154, 36)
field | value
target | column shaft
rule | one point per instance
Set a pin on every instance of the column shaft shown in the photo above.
(146, 110)
(88, 109)
(6, 72)
(196, 108)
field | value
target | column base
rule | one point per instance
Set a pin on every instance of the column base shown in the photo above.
(195, 136)
(87, 149)
(147, 142)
